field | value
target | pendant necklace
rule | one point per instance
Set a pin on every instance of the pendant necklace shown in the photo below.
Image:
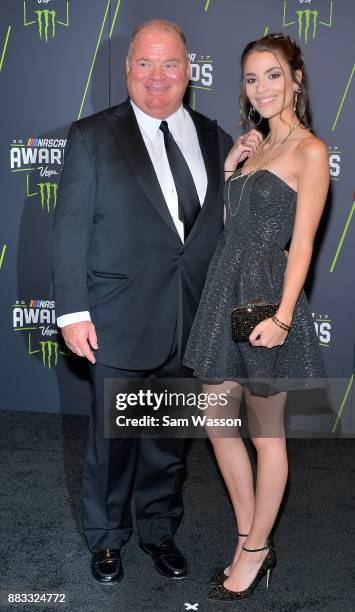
(239, 174)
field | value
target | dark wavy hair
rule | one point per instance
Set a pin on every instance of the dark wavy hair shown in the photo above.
(292, 54)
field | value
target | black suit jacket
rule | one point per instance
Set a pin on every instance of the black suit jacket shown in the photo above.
(116, 251)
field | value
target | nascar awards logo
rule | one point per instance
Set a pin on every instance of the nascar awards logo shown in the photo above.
(201, 71)
(308, 17)
(45, 17)
(334, 162)
(44, 156)
(323, 325)
(37, 318)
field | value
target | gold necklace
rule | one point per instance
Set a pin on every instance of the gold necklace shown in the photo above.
(275, 147)
(278, 143)
(239, 174)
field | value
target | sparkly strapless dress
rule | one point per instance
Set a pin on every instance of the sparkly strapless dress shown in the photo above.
(248, 265)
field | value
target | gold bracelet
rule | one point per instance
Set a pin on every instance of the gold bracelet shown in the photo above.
(281, 324)
(229, 171)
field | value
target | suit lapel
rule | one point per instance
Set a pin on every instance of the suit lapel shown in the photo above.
(124, 126)
(123, 123)
(208, 141)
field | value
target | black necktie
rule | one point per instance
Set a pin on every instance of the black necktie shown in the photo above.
(189, 204)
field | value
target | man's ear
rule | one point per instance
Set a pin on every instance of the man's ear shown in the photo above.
(188, 70)
(127, 65)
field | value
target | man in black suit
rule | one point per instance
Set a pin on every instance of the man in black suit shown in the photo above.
(138, 217)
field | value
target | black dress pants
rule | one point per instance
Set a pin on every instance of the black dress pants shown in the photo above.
(115, 467)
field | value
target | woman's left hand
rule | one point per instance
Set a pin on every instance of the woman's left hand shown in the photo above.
(245, 146)
(270, 334)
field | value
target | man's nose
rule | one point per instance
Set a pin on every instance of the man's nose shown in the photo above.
(156, 71)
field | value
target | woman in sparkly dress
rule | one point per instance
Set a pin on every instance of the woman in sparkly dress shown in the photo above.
(275, 199)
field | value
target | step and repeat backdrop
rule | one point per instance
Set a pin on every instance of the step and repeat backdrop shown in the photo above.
(64, 59)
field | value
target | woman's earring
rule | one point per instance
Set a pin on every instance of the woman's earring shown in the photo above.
(296, 94)
(252, 113)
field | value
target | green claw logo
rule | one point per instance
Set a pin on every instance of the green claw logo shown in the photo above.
(45, 191)
(307, 14)
(306, 19)
(46, 14)
(49, 350)
(46, 21)
(37, 318)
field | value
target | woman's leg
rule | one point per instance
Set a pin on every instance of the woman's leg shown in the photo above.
(233, 460)
(265, 419)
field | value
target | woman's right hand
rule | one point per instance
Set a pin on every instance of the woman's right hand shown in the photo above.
(243, 147)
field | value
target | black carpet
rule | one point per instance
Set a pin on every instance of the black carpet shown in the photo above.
(43, 549)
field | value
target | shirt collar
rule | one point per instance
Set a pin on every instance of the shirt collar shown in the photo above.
(151, 125)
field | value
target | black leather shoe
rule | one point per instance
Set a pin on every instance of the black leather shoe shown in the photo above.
(106, 566)
(168, 560)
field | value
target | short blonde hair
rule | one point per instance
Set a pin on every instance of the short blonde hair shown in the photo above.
(157, 24)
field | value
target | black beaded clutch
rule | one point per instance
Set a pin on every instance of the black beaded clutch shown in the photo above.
(245, 318)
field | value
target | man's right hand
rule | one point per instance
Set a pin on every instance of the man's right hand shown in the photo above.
(81, 339)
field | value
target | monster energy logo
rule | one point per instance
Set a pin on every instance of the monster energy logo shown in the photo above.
(307, 19)
(307, 15)
(49, 350)
(46, 21)
(45, 191)
(43, 25)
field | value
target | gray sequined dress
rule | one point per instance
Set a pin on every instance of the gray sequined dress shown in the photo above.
(248, 265)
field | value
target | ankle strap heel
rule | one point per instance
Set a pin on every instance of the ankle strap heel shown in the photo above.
(242, 535)
(221, 593)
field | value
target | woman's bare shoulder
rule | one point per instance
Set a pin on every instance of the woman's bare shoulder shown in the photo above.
(310, 147)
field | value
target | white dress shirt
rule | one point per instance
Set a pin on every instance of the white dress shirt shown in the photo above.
(184, 133)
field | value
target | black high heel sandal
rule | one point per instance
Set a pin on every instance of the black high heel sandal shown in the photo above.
(221, 593)
(219, 576)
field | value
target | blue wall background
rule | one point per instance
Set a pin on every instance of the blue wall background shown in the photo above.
(64, 59)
